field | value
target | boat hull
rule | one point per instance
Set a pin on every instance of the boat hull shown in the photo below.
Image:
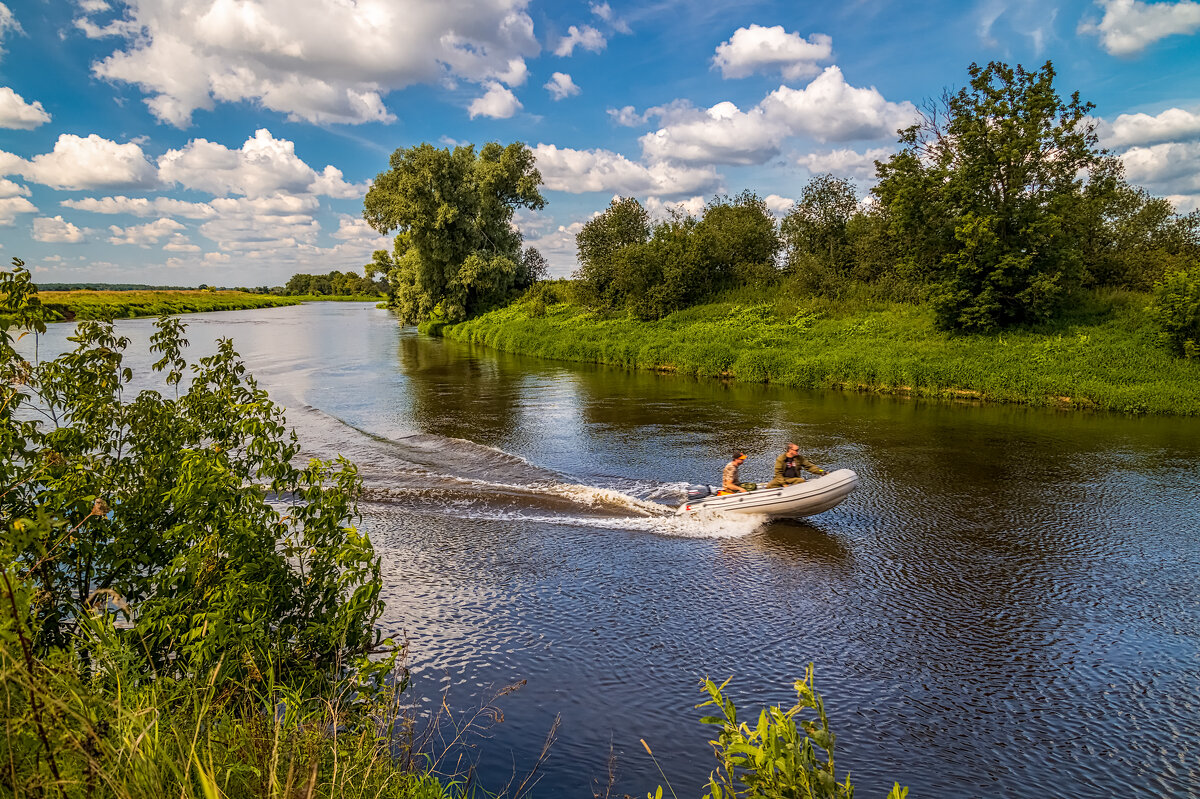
(816, 495)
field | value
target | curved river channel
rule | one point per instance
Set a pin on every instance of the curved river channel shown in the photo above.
(1009, 606)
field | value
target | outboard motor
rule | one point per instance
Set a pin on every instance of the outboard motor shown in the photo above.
(696, 492)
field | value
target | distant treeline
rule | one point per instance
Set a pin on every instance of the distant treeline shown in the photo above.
(335, 284)
(109, 287)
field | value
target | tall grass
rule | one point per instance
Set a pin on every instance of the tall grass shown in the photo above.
(113, 734)
(1102, 354)
(128, 304)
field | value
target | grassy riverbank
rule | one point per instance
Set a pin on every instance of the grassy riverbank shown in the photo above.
(127, 304)
(1103, 354)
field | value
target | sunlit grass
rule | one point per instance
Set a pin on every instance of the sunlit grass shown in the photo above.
(127, 304)
(1103, 354)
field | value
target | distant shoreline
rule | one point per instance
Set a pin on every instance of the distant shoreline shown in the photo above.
(1105, 358)
(68, 306)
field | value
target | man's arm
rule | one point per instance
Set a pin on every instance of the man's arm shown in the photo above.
(809, 466)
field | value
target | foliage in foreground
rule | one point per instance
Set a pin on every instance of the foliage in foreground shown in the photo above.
(160, 505)
(1104, 355)
(105, 730)
(787, 754)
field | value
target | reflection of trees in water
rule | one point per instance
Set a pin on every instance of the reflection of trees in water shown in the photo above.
(455, 392)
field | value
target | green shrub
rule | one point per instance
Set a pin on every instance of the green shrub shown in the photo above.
(1176, 308)
(788, 754)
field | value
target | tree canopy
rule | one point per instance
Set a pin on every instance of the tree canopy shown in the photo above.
(457, 250)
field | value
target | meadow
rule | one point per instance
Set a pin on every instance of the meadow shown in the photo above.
(1102, 354)
(67, 305)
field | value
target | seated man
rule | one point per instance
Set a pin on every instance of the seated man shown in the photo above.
(729, 476)
(789, 465)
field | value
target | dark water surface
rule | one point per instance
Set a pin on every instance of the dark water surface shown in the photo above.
(1010, 606)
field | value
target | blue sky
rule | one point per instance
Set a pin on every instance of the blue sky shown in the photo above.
(230, 142)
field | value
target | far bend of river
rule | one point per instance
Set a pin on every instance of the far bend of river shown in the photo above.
(1009, 606)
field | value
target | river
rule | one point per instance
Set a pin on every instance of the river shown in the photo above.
(1009, 606)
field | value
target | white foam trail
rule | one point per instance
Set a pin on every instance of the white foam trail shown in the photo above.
(605, 497)
(690, 525)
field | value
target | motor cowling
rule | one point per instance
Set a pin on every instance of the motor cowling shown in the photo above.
(695, 492)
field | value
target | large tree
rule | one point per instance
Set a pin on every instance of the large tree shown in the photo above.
(815, 229)
(457, 250)
(624, 223)
(987, 194)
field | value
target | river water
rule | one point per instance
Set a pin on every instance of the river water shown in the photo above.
(1009, 606)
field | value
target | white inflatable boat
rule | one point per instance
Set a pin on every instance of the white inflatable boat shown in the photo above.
(813, 496)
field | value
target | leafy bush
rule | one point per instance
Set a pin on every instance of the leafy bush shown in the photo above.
(1177, 310)
(185, 512)
(786, 755)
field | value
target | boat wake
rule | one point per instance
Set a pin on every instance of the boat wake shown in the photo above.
(427, 473)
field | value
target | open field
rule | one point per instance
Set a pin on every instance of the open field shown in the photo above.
(126, 304)
(1102, 355)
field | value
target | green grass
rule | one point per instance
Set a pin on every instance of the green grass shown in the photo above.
(128, 304)
(1103, 354)
(119, 735)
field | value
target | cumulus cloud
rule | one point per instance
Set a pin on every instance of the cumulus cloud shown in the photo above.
(759, 49)
(262, 166)
(1174, 124)
(144, 235)
(7, 23)
(627, 116)
(78, 164)
(180, 243)
(17, 114)
(779, 206)
(845, 163)
(557, 244)
(10, 188)
(11, 206)
(1168, 168)
(1129, 26)
(659, 208)
(56, 230)
(498, 102)
(323, 61)
(355, 230)
(141, 206)
(561, 86)
(828, 109)
(578, 171)
(258, 225)
(586, 37)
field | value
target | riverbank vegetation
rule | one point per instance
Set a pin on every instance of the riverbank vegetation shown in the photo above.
(336, 285)
(1001, 255)
(60, 305)
(1104, 354)
(184, 607)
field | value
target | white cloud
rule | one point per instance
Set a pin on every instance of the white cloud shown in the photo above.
(558, 245)
(498, 102)
(627, 116)
(1129, 26)
(144, 235)
(216, 258)
(9, 188)
(56, 230)
(321, 61)
(355, 230)
(604, 11)
(723, 134)
(17, 114)
(759, 49)
(586, 37)
(7, 23)
(260, 225)
(180, 243)
(845, 163)
(82, 164)
(561, 86)
(578, 171)
(660, 209)
(828, 109)
(263, 166)
(1174, 124)
(1169, 168)
(777, 205)
(141, 206)
(93, 6)
(10, 206)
